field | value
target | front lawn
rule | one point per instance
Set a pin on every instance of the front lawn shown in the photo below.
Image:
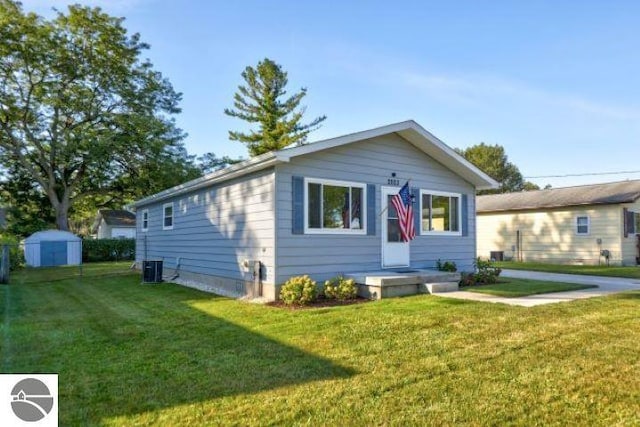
(594, 270)
(132, 354)
(511, 288)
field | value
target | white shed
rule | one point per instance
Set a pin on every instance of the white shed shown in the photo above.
(52, 247)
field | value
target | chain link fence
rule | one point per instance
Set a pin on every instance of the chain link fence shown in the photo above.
(64, 259)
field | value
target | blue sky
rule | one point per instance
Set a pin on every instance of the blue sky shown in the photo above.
(556, 83)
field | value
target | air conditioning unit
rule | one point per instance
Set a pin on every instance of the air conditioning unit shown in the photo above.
(151, 271)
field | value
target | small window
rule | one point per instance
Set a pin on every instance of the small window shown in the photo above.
(440, 213)
(582, 225)
(167, 221)
(145, 220)
(636, 217)
(334, 207)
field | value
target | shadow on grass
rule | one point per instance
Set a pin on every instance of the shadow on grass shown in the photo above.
(123, 348)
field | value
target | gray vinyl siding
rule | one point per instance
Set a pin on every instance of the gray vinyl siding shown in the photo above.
(215, 229)
(369, 162)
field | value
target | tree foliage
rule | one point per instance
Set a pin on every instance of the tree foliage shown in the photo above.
(81, 114)
(260, 101)
(493, 160)
(209, 162)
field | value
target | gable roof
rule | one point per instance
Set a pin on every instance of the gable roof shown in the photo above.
(595, 194)
(409, 130)
(118, 217)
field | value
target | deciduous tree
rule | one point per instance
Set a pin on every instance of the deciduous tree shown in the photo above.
(81, 114)
(493, 160)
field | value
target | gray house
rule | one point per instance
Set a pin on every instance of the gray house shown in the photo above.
(320, 209)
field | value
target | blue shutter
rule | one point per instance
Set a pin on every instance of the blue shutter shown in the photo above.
(298, 205)
(465, 215)
(371, 210)
(417, 209)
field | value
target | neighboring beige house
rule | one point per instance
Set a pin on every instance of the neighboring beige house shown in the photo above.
(115, 223)
(563, 225)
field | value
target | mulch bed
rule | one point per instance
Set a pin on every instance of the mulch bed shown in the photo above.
(320, 302)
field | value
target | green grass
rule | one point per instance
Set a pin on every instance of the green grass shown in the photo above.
(132, 354)
(511, 288)
(594, 270)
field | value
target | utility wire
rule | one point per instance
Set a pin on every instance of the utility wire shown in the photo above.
(581, 174)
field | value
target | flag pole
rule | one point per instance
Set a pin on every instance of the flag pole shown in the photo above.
(386, 208)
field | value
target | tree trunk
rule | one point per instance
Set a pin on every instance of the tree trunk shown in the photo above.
(62, 215)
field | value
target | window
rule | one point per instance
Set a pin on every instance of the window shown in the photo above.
(167, 219)
(145, 220)
(334, 207)
(582, 225)
(440, 213)
(636, 216)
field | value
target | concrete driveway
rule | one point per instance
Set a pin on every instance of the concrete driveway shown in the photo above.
(606, 286)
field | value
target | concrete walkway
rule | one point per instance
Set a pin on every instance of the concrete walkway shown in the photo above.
(606, 286)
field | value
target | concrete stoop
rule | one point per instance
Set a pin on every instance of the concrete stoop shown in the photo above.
(389, 284)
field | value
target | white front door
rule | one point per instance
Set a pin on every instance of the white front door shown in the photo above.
(395, 252)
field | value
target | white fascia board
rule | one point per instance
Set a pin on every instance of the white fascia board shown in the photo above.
(248, 166)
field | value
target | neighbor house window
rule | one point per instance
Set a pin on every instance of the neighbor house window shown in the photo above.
(582, 225)
(440, 212)
(145, 220)
(334, 206)
(167, 219)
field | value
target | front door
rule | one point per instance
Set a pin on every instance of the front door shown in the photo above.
(395, 252)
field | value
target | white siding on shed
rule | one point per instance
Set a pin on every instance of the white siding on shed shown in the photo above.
(32, 246)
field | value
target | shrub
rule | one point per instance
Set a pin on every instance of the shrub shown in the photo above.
(299, 290)
(16, 254)
(95, 250)
(447, 266)
(340, 288)
(486, 273)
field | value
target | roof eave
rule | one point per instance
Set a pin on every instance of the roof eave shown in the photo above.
(417, 136)
(243, 168)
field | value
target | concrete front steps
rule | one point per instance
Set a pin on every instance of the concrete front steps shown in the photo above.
(390, 283)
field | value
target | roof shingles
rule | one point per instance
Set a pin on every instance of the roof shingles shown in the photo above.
(595, 194)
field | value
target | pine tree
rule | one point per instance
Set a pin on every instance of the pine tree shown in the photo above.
(260, 101)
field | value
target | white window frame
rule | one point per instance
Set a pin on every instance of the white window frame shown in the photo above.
(363, 209)
(588, 225)
(424, 232)
(145, 218)
(164, 216)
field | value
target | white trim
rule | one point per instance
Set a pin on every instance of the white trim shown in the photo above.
(164, 216)
(145, 212)
(417, 136)
(459, 216)
(243, 168)
(409, 130)
(588, 225)
(350, 231)
(384, 192)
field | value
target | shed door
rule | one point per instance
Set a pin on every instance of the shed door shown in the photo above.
(395, 252)
(53, 253)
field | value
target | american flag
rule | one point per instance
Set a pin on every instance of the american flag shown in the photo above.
(403, 204)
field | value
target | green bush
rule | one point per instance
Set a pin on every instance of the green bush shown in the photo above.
(16, 254)
(96, 250)
(298, 290)
(447, 266)
(486, 274)
(340, 288)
